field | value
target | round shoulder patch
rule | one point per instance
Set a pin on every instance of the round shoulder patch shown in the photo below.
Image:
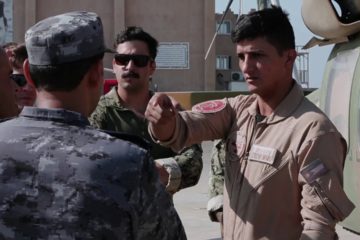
(209, 106)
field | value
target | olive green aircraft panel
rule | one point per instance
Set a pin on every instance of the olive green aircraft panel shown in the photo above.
(314, 97)
(340, 100)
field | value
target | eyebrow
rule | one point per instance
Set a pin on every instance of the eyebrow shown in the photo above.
(252, 51)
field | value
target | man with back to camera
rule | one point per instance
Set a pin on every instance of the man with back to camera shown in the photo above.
(284, 159)
(123, 108)
(61, 178)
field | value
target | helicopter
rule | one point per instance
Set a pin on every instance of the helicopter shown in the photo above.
(339, 93)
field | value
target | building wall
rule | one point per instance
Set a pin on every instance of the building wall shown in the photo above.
(167, 20)
(225, 47)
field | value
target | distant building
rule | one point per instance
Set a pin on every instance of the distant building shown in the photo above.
(183, 28)
(228, 75)
(301, 70)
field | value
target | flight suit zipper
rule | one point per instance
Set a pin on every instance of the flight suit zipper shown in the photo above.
(244, 161)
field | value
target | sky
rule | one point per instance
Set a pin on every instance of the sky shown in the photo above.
(317, 55)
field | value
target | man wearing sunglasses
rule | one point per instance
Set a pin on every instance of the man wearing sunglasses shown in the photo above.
(7, 106)
(25, 94)
(122, 109)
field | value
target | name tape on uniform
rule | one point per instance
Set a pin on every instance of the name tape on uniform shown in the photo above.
(262, 154)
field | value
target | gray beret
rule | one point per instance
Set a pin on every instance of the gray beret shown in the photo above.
(65, 38)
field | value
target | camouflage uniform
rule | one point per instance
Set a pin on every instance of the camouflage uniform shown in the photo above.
(216, 179)
(62, 179)
(184, 171)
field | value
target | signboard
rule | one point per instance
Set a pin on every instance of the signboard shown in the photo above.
(173, 55)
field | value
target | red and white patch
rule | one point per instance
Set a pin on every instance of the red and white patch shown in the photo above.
(210, 106)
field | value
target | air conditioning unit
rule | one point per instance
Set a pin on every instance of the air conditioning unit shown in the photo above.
(237, 76)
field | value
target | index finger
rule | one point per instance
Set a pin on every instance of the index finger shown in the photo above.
(162, 100)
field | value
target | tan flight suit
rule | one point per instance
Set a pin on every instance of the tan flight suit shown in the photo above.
(283, 173)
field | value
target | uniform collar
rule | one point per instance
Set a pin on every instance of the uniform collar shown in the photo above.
(286, 107)
(112, 98)
(56, 115)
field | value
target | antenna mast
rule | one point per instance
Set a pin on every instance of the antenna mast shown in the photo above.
(217, 30)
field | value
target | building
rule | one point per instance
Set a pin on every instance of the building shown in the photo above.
(228, 75)
(183, 28)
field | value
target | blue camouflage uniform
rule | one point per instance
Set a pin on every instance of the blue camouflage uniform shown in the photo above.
(62, 179)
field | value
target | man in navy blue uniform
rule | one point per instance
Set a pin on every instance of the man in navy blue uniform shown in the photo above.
(61, 178)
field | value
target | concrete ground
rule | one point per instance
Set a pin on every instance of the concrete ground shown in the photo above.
(191, 206)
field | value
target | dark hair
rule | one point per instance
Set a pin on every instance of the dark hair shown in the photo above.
(62, 77)
(137, 33)
(271, 23)
(9, 45)
(19, 56)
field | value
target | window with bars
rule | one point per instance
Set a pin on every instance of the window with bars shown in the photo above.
(225, 27)
(223, 62)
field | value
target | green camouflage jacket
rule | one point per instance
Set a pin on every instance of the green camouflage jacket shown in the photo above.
(184, 168)
(216, 181)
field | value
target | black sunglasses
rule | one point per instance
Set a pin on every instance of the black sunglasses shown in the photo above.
(19, 79)
(138, 60)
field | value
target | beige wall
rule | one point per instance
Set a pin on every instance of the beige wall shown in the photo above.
(167, 20)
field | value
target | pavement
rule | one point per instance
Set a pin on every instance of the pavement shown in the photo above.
(191, 206)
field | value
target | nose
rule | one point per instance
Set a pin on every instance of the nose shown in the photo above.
(246, 65)
(130, 64)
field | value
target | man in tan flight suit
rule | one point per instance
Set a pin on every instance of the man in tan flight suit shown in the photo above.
(284, 159)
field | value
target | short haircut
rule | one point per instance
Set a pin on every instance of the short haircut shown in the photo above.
(62, 77)
(19, 56)
(9, 45)
(137, 33)
(271, 23)
(2, 52)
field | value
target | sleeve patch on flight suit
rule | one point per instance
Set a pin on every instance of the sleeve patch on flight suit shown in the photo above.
(262, 154)
(210, 106)
(313, 171)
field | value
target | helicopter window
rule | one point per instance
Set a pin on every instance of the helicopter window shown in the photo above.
(347, 11)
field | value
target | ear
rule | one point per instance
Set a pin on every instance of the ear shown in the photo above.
(152, 67)
(290, 57)
(95, 75)
(26, 69)
(113, 64)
